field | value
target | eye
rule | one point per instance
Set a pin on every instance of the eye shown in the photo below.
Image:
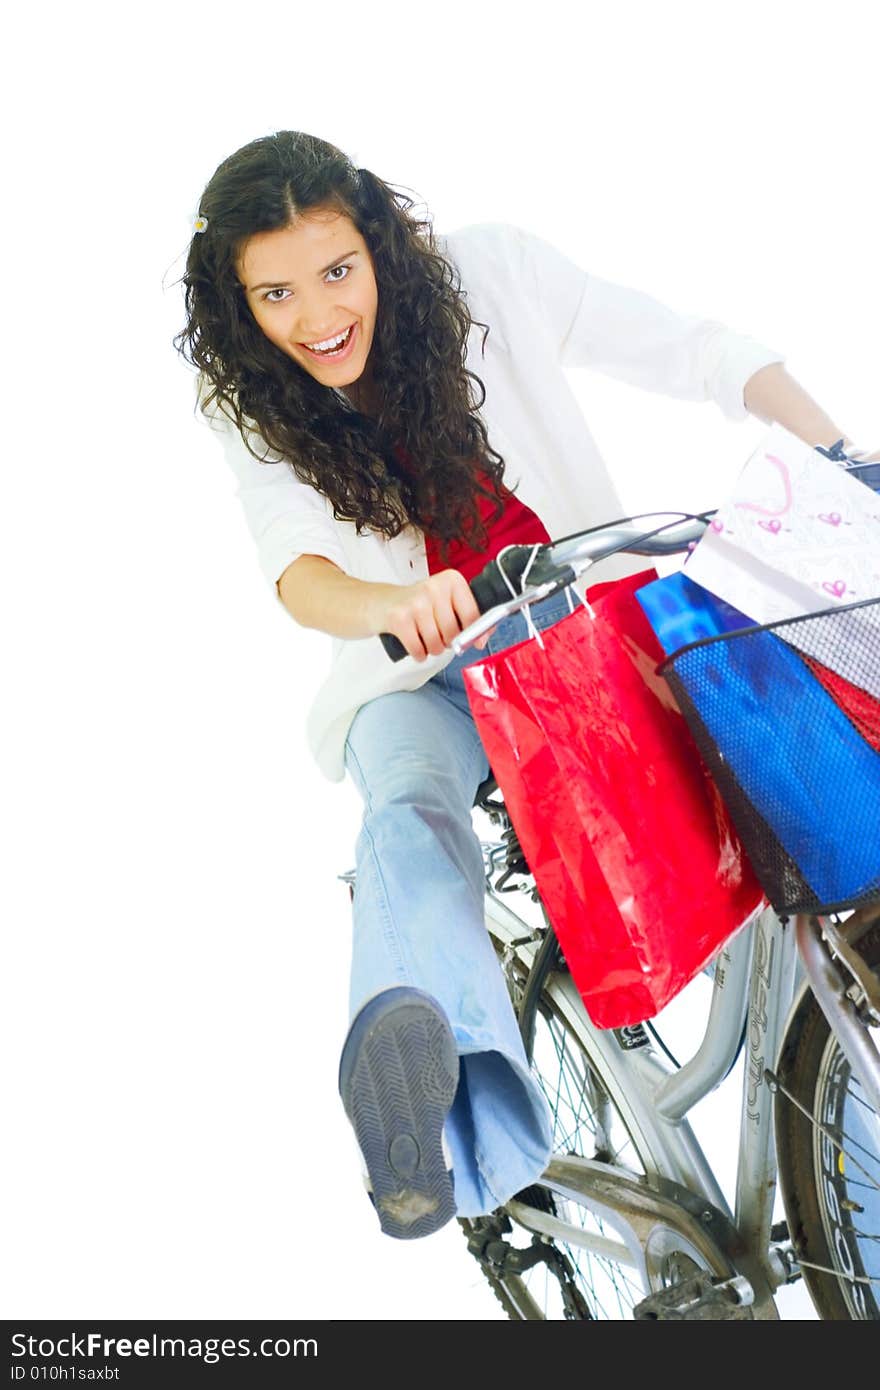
(333, 270)
(268, 297)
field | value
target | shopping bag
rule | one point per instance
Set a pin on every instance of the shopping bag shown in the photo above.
(793, 740)
(632, 850)
(798, 534)
(795, 750)
(681, 611)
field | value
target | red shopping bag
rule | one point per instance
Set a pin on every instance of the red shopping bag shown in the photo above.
(637, 863)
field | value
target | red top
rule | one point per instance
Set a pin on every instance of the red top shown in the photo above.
(517, 525)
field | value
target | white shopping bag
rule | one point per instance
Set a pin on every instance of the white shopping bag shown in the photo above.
(798, 535)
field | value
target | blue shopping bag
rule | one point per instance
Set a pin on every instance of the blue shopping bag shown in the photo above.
(681, 612)
(801, 782)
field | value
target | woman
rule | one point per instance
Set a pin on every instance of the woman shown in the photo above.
(395, 407)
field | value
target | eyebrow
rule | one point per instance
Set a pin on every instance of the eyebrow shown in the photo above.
(285, 284)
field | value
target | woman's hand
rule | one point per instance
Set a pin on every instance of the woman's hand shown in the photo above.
(426, 616)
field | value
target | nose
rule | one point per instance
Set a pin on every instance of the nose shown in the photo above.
(319, 318)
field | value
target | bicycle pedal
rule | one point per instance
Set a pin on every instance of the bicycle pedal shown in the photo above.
(699, 1298)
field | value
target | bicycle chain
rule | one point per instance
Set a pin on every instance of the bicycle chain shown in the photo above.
(515, 1261)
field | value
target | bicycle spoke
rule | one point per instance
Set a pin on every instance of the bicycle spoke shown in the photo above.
(573, 1082)
(841, 1273)
(823, 1129)
(856, 1144)
(626, 1296)
(581, 1114)
(577, 1102)
(860, 1100)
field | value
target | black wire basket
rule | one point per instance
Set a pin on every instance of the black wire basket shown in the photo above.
(787, 719)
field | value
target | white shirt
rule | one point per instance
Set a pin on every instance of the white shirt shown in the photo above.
(545, 314)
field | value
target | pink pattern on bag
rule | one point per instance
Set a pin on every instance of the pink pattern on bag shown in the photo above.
(786, 483)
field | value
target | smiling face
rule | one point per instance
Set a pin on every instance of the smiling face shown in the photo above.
(307, 286)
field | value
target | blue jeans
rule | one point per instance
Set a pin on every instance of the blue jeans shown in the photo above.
(418, 913)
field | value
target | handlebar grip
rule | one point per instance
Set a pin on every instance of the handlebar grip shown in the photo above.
(488, 588)
(393, 646)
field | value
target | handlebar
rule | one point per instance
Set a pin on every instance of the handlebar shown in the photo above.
(558, 563)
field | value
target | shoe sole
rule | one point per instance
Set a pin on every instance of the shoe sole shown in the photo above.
(397, 1077)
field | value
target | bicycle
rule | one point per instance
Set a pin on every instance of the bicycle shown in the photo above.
(629, 1219)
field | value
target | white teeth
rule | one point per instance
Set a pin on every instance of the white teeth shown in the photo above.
(329, 342)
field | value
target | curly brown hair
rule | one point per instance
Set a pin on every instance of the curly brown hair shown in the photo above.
(427, 399)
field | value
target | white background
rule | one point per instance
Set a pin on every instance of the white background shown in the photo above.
(177, 941)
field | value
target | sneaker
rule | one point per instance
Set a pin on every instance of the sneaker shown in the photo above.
(365, 1176)
(398, 1076)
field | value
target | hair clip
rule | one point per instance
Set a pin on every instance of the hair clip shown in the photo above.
(200, 223)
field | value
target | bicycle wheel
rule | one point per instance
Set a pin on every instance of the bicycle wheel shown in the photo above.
(830, 1176)
(592, 1119)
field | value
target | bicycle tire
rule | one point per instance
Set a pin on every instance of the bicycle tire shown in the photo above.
(830, 1183)
(597, 1289)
